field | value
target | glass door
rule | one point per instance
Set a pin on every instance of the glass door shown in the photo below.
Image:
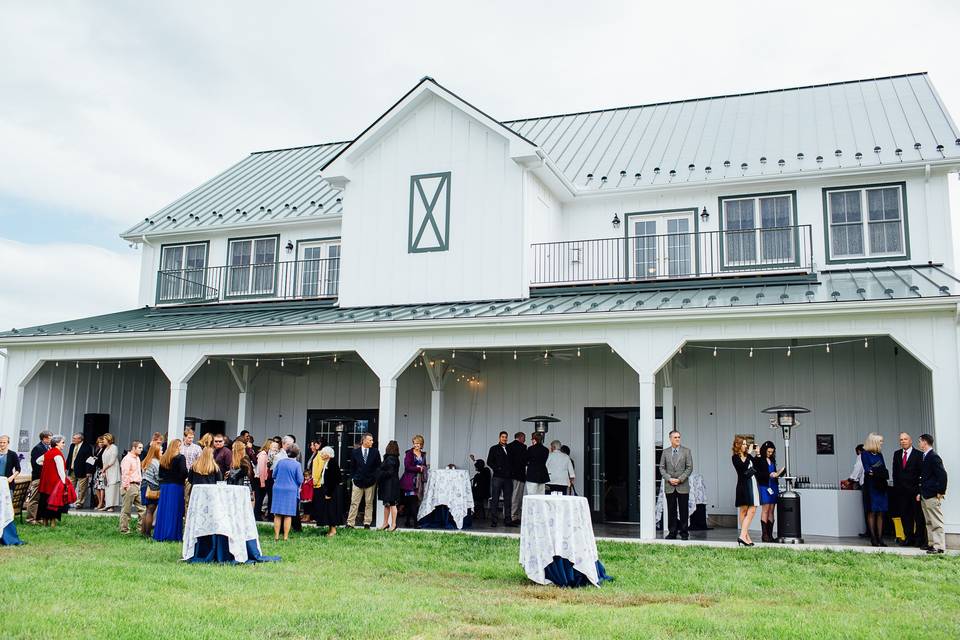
(319, 269)
(662, 245)
(610, 456)
(253, 268)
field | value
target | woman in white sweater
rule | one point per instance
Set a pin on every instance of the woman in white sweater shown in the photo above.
(111, 473)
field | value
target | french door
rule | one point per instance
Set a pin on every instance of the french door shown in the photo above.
(253, 267)
(182, 270)
(661, 245)
(319, 273)
(610, 457)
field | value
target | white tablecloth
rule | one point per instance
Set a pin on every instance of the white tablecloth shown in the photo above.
(220, 509)
(557, 526)
(698, 495)
(6, 503)
(449, 487)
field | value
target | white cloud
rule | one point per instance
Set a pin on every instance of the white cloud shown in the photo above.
(49, 283)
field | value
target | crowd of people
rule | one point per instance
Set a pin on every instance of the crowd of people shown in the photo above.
(153, 482)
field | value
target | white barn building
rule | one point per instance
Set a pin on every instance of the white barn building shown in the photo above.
(627, 270)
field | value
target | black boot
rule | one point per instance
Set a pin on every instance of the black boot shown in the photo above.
(765, 529)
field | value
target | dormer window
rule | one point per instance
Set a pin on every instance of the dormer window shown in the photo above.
(253, 266)
(182, 272)
(866, 223)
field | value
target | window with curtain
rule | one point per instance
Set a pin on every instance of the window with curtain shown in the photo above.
(252, 269)
(759, 231)
(866, 222)
(183, 269)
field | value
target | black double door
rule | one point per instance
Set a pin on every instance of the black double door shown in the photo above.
(610, 458)
(323, 424)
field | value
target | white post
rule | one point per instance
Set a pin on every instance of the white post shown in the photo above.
(178, 410)
(646, 443)
(244, 409)
(436, 410)
(19, 371)
(388, 420)
(667, 403)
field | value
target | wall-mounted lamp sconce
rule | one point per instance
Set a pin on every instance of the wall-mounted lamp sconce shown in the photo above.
(704, 215)
(616, 221)
(289, 246)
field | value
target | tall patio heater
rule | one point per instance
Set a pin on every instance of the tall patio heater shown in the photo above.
(541, 424)
(788, 506)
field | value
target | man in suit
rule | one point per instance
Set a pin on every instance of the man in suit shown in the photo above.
(537, 474)
(933, 486)
(517, 454)
(906, 488)
(676, 465)
(364, 461)
(77, 467)
(36, 462)
(498, 459)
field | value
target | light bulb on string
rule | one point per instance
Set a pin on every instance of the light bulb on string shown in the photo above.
(714, 352)
(257, 363)
(578, 352)
(282, 363)
(308, 361)
(484, 355)
(751, 352)
(77, 365)
(231, 362)
(56, 364)
(865, 343)
(514, 354)
(98, 365)
(788, 352)
(208, 360)
(118, 365)
(454, 356)
(828, 347)
(334, 358)
(141, 364)
(546, 354)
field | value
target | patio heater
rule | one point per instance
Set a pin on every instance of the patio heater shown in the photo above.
(541, 424)
(788, 506)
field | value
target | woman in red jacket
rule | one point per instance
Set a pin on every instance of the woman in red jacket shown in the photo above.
(56, 491)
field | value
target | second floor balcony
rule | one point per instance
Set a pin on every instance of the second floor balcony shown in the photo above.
(293, 280)
(672, 256)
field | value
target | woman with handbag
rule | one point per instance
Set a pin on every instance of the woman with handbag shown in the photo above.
(413, 480)
(875, 475)
(747, 497)
(150, 487)
(55, 492)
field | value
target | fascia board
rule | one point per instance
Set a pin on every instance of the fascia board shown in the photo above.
(799, 310)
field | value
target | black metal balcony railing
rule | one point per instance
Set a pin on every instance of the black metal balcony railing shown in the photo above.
(672, 256)
(294, 280)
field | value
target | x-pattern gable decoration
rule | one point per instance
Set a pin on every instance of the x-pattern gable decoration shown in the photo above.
(429, 212)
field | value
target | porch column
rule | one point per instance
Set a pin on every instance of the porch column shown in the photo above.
(244, 409)
(18, 372)
(388, 423)
(178, 410)
(646, 458)
(436, 411)
(667, 394)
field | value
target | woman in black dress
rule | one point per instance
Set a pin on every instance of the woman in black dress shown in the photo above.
(327, 507)
(747, 496)
(240, 471)
(388, 485)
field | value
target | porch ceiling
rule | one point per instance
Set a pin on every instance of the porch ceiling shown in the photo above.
(848, 285)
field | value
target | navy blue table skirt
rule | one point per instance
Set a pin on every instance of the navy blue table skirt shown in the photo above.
(10, 536)
(216, 548)
(440, 518)
(561, 573)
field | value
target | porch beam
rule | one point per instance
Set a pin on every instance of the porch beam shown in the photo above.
(646, 439)
(388, 421)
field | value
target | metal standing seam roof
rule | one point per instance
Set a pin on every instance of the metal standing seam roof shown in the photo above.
(860, 123)
(849, 285)
(264, 187)
(842, 125)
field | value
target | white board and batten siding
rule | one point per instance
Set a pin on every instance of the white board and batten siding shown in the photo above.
(483, 261)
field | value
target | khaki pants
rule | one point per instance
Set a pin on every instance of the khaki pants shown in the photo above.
(187, 488)
(131, 499)
(933, 514)
(516, 501)
(355, 495)
(81, 484)
(33, 500)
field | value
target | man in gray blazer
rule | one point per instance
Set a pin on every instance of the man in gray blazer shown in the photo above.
(676, 465)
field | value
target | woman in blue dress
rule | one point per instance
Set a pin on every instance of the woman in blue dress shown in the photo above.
(172, 475)
(287, 478)
(875, 475)
(768, 483)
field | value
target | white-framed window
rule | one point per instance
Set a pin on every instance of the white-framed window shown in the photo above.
(319, 268)
(661, 244)
(252, 269)
(866, 222)
(758, 230)
(182, 272)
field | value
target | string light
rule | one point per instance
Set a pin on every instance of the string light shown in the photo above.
(828, 347)
(118, 365)
(751, 352)
(141, 364)
(231, 362)
(334, 358)
(546, 354)
(257, 363)
(865, 343)
(282, 363)
(514, 354)
(78, 366)
(788, 352)
(98, 365)
(484, 355)
(578, 352)
(308, 361)
(454, 356)
(56, 364)
(714, 352)
(208, 360)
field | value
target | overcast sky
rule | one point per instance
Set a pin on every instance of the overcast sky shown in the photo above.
(109, 110)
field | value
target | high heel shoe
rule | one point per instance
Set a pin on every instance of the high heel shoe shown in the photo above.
(741, 541)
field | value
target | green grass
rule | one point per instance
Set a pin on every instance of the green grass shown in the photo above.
(85, 580)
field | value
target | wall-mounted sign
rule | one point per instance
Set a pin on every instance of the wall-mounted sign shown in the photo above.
(824, 444)
(429, 212)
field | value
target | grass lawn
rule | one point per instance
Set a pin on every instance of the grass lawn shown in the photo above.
(85, 580)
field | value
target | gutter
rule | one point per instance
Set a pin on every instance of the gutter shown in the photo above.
(797, 310)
